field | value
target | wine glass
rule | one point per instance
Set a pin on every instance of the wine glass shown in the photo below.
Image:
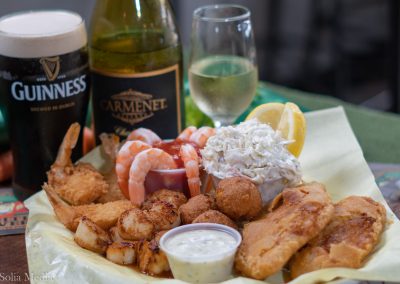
(222, 70)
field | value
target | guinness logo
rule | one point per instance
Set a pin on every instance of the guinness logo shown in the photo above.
(51, 66)
(132, 106)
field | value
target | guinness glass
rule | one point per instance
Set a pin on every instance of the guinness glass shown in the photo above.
(44, 84)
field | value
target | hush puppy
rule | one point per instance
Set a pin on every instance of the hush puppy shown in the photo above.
(196, 206)
(214, 216)
(238, 198)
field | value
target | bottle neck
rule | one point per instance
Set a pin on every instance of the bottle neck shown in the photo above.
(140, 19)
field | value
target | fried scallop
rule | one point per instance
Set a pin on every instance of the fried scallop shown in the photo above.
(214, 216)
(114, 235)
(91, 237)
(171, 196)
(347, 240)
(134, 225)
(238, 198)
(163, 215)
(195, 207)
(151, 259)
(298, 216)
(122, 252)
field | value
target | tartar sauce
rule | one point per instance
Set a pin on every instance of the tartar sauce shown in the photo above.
(201, 253)
(201, 243)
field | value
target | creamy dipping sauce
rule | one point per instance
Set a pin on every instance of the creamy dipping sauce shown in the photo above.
(201, 243)
(202, 252)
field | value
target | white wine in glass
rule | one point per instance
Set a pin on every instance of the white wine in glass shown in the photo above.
(223, 73)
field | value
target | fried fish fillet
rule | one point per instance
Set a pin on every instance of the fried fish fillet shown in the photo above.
(347, 240)
(298, 215)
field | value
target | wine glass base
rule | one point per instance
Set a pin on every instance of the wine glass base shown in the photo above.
(221, 123)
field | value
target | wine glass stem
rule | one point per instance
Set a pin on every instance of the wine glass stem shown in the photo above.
(221, 123)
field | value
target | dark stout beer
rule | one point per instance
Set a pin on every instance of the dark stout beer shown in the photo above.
(44, 83)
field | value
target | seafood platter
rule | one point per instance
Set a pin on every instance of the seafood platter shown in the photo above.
(214, 205)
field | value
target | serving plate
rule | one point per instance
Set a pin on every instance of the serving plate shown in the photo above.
(331, 156)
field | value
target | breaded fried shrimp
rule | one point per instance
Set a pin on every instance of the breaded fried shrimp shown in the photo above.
(77, 184)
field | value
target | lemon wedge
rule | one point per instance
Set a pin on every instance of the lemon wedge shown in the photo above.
(268, 113)
(285, 118)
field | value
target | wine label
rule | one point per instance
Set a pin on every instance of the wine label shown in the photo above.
(123, 102)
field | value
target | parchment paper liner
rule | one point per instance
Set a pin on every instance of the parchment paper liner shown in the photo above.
(331, 156)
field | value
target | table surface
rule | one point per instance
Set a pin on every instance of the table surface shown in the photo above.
(13, 261)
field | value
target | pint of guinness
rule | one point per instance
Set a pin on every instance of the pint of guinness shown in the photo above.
(44, 83)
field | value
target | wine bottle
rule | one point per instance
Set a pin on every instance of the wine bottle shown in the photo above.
(136, 68)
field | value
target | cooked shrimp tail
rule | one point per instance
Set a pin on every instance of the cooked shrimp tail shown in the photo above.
(201, 135)
(191, 161)
(110, 144)
(68, 143)
(186, 133)
(64, 212)
(145, 135)
(150, 159)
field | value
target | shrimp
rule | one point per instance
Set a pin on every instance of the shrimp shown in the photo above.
(186, 133)
(145, 135)
(201, 135)
(145, 161)
(105, 215)
(124, 160)
(110, 144)
(191, 161)
(77, 184)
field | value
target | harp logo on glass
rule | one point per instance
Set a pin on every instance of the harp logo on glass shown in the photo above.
(51, 67)
(132, 106)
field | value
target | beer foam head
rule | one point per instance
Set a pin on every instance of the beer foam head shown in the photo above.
(41, 33)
